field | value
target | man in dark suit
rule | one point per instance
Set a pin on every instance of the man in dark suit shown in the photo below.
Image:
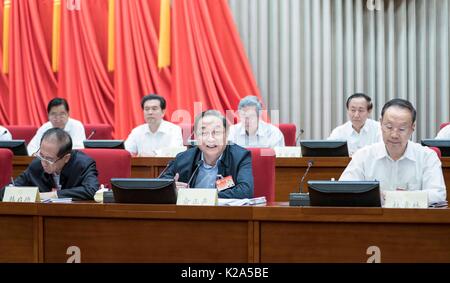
(60, 172)
(213, 163)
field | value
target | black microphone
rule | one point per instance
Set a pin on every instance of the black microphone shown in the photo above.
(91, 134)
(197, 165)
(298, 136)
(301, 198)
(4, 133)
(165, 169)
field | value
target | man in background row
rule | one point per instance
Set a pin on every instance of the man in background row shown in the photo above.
(444, 133)
(360, 130)
(58, 116)
(155, 134)
(398, 163)
(251, 131)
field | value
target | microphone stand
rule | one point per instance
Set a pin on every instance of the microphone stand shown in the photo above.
(301, 198)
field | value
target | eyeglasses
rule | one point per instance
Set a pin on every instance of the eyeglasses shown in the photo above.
(389, 128)
(48, 161)
(213, 134)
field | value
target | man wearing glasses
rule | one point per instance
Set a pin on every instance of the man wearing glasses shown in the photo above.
(60, 172)
(397, 162)
(213, 164)
(58, 116)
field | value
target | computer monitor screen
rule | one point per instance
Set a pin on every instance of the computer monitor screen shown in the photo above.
(317, 148)
(344, 193)
(143, 190)
(18, 147)
(115, 144)
(443, 145)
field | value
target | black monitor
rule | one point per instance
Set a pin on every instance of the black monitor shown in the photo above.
(344, 193)
(18, 147)
(115, 144)
(143, 190)
(443, 145)
(317, 148)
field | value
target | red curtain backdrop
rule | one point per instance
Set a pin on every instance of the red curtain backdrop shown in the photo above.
(209, 64)
(4, 89)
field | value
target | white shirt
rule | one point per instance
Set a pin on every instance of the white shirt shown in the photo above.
(444, 133)
(5, 136)
(418, 169)
(74, 127)
(142, 141)
(267, 135)
(369, 134)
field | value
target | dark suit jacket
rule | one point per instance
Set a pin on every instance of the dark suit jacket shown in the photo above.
(78, 177)
(236, 162)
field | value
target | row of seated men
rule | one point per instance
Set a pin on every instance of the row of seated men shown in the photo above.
(156, 134)
(392, 159)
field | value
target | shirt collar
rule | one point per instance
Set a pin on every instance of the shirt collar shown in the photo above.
(161, 129)
(409, 152)
(207, 166)
(364, 129)
(260, 132)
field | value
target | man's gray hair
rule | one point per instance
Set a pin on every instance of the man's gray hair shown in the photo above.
(250, 100)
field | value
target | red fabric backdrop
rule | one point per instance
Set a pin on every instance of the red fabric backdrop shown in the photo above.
(209, 65)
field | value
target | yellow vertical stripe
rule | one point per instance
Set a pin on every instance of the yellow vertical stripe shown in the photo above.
(111, 35)
(164, 35)
(56, 34)
(6, 11)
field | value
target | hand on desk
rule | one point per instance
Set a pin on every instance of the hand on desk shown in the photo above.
(180, 185)
(48, 195)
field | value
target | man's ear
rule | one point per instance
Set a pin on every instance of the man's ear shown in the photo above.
(413, 126)
(67, 157)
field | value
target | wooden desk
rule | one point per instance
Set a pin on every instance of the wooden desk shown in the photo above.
(169, 233)
(288, 171)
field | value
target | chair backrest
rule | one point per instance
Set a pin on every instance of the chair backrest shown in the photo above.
(263, 166)
(437, 150)
(111, 163)
(288, 131)
(98, 131)
(443, 125)
(6, 167)
(25, 132)
(186, 130)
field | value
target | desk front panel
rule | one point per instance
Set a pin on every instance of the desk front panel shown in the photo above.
(18, 241)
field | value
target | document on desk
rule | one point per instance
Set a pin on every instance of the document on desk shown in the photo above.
(242, 202)
(57, 200)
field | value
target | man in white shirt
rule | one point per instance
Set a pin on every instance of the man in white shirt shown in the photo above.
(58, 116)
(5, 135)
(397, 162)
(252, 131)
(155, 134)
(444, 133)
(359, 131)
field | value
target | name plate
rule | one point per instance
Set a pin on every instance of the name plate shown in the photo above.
(406, 199)
(288, 151)
(21, 194)
(197, 197)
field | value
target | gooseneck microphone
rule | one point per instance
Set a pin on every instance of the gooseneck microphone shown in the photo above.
(310, 164)
(197, 165)
(165, 169)
(91, 134)
(297, 139)
(4, 133)
(301, 198)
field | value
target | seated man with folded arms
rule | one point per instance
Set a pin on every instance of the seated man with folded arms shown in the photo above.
(252, 131)
(5, 135)
(212, 159)
(58, 116)
(360, 130)
(155, 134)
(397, 162)
(59, 171)
(444, 133)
